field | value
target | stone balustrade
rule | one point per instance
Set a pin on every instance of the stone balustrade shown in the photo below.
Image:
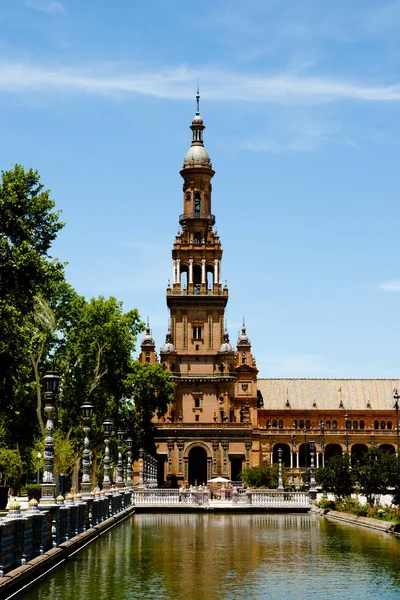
(201, 497)
(30, 533)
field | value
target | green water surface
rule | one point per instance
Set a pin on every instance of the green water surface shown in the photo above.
(235, 557)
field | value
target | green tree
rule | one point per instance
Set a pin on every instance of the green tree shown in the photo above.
(372, 473)
(262, 476)
(28, 226)
(336, 476)
(150, 391)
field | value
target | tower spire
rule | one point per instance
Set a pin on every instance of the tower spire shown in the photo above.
(198, 100)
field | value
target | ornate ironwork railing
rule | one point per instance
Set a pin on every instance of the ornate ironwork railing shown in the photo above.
(197, 215)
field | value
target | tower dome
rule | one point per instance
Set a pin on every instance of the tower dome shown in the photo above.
(197, 155)
(168, 346)
(243, 339)
(148, 338)
(226, 346)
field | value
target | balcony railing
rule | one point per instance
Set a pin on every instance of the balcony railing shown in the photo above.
(194, 375)
(197, 215)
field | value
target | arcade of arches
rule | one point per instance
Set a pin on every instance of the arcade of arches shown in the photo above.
(224, 416)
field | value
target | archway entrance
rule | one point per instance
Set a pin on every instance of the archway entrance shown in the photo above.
(197, 466)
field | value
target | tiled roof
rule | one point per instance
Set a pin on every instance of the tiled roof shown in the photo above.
(327, 394)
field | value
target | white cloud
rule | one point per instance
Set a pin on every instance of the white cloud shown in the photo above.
(49, 6)
(177, 83)
(390, 286)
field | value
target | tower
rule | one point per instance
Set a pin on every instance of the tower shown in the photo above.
(204, 365)
(208, 430)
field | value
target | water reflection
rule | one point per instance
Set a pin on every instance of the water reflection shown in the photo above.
(201, 557)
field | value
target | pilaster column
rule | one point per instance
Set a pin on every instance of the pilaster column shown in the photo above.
(203, 270)
(190, 270)
(178, 270)
(216, 278)
(174, 278)
(291, 459)
(220, 271)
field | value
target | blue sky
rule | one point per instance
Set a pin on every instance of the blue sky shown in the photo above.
(301, 101)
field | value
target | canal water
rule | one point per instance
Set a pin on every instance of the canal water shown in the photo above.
(235, 557)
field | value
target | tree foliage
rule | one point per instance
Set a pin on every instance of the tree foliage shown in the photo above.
(45, 323)
(336, 476)
(263, 476)
(374, 473)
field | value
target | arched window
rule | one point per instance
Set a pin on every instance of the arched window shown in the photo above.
(294, 424)
(355, 424)
(147, 356)
(334, 424)
(280, 423)
(184, 278)
(210, 278)
(197, 402)
(327, 424)
(301, 424)
(197, 237)
(362, 424)
(268, 424)
(376, 424)
(383, 424)
(307, 424)
(274, 424)
(244, 357)
(197, 202)
(389, 424)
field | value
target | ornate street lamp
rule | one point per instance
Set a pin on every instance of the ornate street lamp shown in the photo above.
(87, 412)
(280, 480)
(347, 421)
(305, 447)
(322, 429)
(396, 398)
(313, 489)
(50, 383)
(107, 428)
(120, 467)
(129, 481)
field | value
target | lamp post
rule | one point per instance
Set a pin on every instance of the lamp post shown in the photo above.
(107, 428)
(50, 381)
(280, 481)
(129, 481)
(313, 489)
(347, 420)
(322, 429)
(396, 398)
(87, 412)
(120, 468)
(305, 447)
(39, 456)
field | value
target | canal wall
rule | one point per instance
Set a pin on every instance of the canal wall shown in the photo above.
(35, 542)
(334, 515)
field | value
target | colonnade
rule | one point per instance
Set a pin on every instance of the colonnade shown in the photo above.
(217, 270)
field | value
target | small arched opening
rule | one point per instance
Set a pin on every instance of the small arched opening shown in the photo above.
(285, 454)
(197, 466)
(387, 449)
(357, 452)
(184, 277)
(332, 450)
(197, 202)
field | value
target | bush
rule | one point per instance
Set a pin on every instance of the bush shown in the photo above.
(326, 504)
(33, 491)
(350, 505)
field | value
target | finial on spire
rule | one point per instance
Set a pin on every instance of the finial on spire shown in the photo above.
(198, 99)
